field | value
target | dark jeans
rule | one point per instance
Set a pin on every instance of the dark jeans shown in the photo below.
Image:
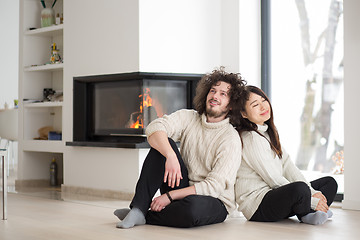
(191, 211)
(293, 199)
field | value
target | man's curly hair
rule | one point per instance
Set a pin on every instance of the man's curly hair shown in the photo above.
(236, 82)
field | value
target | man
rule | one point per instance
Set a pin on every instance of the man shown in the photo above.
(197, 183)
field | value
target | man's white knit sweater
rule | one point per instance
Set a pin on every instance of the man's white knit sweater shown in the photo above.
(211, 152)
(261, 170)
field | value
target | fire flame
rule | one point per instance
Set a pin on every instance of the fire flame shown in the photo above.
(146, 101)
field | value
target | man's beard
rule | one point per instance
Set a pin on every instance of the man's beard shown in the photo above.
(216, 114)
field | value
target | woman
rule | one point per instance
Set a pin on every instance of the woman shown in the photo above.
(269, 187)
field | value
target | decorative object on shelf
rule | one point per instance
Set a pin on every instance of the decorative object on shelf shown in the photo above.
(51, 95)
(57, 96)
(47, 92)
(57, 19)
(47, 15)
(55, 56)
(54, 135)
(53, 173)
(44, 133)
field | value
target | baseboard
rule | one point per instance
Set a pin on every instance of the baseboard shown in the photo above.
(96, 192)
(33, 183)
(350, 205)
(339, 197)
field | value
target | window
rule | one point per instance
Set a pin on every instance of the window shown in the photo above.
(306, 83)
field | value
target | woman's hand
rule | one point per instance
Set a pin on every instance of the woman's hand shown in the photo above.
(320, 196)
(322, 206)
(172, 171)
(159, 203)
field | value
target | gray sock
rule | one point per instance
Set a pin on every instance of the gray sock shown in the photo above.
(134, 217)
(315, 218)
(329, 213)
(121, 213)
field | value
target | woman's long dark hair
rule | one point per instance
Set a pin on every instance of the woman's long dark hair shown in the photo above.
(246, 125)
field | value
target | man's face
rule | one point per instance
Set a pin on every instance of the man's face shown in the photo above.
(217, 102)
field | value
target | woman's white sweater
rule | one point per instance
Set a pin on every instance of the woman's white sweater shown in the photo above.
(261, 170)
(211, 152)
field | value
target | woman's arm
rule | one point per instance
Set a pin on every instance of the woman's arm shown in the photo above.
(261, 158)
(293, 173)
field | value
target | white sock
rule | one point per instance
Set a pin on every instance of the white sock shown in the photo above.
(315, 218)
(134, 217)
(329, 213)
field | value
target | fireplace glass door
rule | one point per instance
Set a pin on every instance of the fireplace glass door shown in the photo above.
(125, 108)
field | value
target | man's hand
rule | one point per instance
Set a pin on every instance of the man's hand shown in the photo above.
(159, 203)
(160, 142)
(172, 171)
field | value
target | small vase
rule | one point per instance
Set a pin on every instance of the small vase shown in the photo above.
(47, 17)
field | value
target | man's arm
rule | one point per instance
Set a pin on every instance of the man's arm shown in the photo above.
(159, 203)
(159, 141)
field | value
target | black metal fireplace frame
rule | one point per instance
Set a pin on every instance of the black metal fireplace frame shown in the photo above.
(82, 135)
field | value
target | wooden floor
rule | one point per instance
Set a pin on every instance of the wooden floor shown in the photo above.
(37, 217)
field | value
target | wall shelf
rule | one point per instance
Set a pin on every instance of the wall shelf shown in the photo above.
(52, 31)
(55, 146)
(43, 104)
(47, 67)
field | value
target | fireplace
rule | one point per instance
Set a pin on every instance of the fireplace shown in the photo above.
(113, 110)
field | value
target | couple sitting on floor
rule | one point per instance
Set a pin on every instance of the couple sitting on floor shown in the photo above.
(230, 155)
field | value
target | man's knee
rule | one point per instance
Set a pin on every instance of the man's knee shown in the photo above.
(202, 210)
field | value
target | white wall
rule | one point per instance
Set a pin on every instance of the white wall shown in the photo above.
(9, 49)
(180, 35)
(230, 49)
(100, 37)
(250, 41)
(177, 38)
(351, 99)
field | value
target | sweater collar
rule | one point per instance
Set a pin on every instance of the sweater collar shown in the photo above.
(262, 128)
(220, 124)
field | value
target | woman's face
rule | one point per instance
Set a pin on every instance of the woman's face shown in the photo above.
(257, 109)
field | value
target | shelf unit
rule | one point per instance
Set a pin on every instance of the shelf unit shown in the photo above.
(35, 74)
